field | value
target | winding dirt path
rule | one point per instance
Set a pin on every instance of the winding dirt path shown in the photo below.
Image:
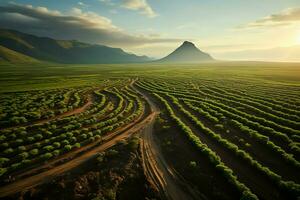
(157, 170)
(32, 181)
(165, 178)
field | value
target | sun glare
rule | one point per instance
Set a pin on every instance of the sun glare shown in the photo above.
(298, 39)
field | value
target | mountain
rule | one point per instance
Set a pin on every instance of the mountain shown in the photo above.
(187, 53)
(14, 57)
(64, 51)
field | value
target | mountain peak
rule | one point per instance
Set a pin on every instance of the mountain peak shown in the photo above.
(187, 43)
(187, 53)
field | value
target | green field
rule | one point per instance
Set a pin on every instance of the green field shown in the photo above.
(46, 76)
(238, 122)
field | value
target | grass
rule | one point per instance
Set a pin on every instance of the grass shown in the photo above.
(36, 76)
(15, 57)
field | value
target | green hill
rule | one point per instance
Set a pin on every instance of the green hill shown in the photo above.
(64, 51)
(14, 57)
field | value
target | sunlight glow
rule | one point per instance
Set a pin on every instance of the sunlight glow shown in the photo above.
(298, 39)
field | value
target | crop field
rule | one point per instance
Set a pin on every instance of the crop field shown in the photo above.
(229, 130)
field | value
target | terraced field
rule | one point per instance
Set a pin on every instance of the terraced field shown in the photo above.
(237, 130)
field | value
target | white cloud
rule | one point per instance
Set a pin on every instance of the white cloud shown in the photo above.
(82, 4)
(140, 5)
(76, 24)
(286, 17)
(107, 2)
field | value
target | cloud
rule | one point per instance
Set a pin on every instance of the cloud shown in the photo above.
(76, 24)
(286, 17)
(140, 5)
(82, 4)
(107, 2)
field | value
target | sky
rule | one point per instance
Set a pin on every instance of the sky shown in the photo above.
(228, 30)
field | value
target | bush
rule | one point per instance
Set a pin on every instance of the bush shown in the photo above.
(30, 139)
(100, 157)
(46, 156)
(65, 142)
(73, 139)
(34, 152)
(2, 171)
(15, 166)
(48, 148)
(3, 161)
(37, 145)
(76, 145)
(56, 144)
(112, 152)
(67, 147)
(8, 151)
(4, 145)
(56, 152)
(19, 141)
(23, 155)
(193, 164)
(38, 136)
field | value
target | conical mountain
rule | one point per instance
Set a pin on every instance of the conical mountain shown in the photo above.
(187, 53)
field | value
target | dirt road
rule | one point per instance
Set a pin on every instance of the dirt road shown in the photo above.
(165, 178)
(32, 181)
(157, 170)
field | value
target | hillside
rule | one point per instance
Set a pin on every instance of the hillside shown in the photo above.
(64, 51)
(187, 53)
(14, 57)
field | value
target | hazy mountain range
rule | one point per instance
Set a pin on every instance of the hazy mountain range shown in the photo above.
(26, 47)
(18, 47)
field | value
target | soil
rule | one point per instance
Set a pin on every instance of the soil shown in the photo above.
(114, 174)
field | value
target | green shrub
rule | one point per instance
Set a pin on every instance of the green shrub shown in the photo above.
(3, 161)
(48, 148)
(193, 164)
(8, 151)
(23, 155)
(56, 152)
(46, 156)
(2, 171)
(34, 152)
(67, 147)
(56, 145)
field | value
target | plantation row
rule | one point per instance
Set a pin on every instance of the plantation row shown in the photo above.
(261, 111)
(232, 133)
(113, 107)
(235, 123)
(212, 156)
(261, 124)
(257, 94)
(19, 108)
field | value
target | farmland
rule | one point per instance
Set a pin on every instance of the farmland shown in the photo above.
(228, 130)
